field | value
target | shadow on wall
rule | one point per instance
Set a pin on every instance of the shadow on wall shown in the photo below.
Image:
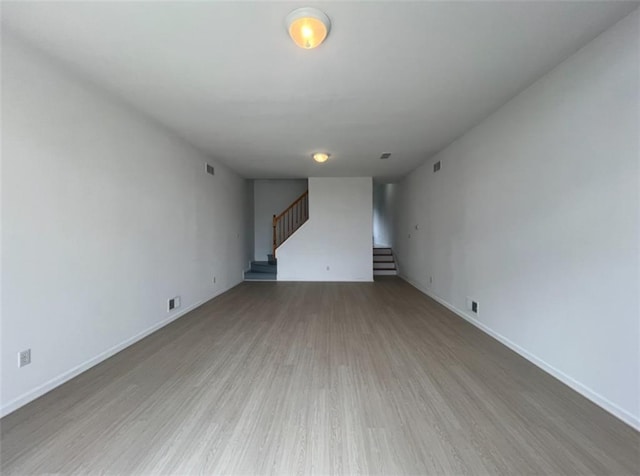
(383, 200)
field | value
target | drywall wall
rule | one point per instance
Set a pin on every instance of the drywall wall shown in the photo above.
(249, 227)
(271, 197)
(535, 215)
(335, 243)
(383, 213)
(105, 216)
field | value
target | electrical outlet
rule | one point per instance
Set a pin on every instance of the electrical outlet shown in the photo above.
(24, 358)
(173, 303)
(473, 306)
(214, 280)
(430, 279)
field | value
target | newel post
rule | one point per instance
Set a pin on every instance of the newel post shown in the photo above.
(274, 235)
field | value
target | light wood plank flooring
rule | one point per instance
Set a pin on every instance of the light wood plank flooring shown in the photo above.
(317, 378)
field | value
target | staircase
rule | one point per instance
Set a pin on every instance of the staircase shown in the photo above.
(383, 262)
(284, 225)
(294, 216)
(262, 271)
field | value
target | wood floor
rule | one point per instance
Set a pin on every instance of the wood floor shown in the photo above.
(317, 378)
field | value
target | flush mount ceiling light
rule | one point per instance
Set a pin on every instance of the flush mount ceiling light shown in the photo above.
(308, 27)
(320, 157)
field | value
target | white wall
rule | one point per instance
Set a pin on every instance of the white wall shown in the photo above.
(105, 216)
(271, 197)
(535, 214)
(383, 213)
(335, 243)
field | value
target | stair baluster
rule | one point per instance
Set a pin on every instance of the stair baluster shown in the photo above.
(285, 224)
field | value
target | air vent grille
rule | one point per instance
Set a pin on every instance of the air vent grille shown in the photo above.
(437, 166)
(210, 169)
(385, 155)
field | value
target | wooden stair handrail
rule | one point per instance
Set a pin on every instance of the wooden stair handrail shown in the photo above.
(295, 202)
(292, 218)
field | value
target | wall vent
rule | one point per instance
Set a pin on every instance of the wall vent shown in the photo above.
(437, 166)
(385, 155)
(210, 170)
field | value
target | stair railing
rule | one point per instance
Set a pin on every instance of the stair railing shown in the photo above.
(285, 224)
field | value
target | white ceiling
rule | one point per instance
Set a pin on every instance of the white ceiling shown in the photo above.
(406, 78)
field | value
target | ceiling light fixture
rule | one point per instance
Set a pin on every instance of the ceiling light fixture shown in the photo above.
(308, 27)
(320, 157)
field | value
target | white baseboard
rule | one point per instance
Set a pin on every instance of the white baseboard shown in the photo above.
(582, 389)
(337, 280)
(75, 371)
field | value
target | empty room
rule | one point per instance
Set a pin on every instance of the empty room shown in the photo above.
(341, 237)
